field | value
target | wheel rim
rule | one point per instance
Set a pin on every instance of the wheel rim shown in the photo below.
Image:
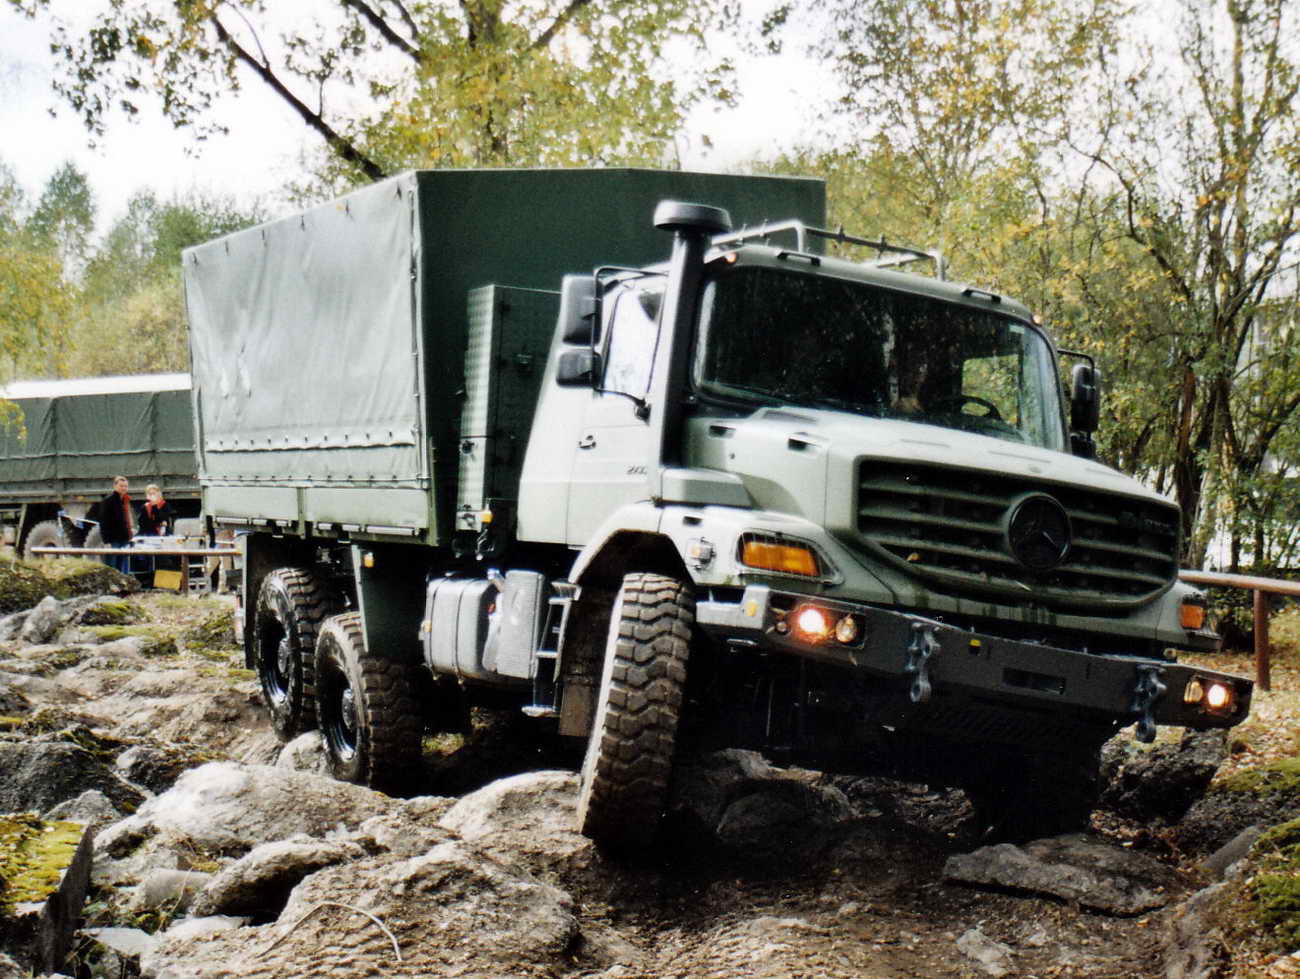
(276, 669)
(339, 704)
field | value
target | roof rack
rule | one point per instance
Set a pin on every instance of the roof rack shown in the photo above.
(892, 254)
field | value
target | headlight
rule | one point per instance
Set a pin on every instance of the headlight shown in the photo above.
(817, 626)
(811, 623)
(1212, 696)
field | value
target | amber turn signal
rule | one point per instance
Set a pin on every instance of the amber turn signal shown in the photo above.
(1192, 615)
(783, 558)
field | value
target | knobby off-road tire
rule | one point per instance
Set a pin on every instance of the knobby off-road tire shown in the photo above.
(629, 760)
(369, 718)
(1036, 794)
(291, 605)
(44, 534)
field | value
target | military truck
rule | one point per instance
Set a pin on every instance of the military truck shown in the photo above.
(66, 440)
(662, 473)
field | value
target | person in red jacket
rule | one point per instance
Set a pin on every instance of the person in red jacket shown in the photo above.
(156, 516)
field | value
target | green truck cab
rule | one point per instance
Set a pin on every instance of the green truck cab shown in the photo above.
(669, 480)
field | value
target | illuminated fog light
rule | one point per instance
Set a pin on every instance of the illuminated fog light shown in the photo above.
(847, 631)
(812, 624)
(1193, 692)
(1218, 696)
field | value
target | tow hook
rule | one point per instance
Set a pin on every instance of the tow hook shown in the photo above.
(1148, 690)
(919, 650)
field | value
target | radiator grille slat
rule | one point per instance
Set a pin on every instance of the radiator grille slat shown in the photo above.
(948, 527)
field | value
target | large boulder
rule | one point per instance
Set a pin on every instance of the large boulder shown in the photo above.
(1163, 781)
(1074, 868)
(156, 767)
(91, 808)
(36, 776)
(529, 821)
(451, 911)
(750, 805)
(305, 753)
(46, 873)
(258, 883)
(226, 809)
(1258, 796)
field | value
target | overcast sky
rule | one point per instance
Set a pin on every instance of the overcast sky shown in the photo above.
(261, 154)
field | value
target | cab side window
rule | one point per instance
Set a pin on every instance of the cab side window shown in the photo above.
(633, 332)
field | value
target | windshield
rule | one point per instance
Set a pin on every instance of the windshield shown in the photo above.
(776, 337)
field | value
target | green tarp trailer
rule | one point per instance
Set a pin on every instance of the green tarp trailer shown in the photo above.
(67, 439)
(328, 349)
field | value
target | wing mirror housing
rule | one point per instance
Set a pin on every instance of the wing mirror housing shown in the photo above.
(579, 310)
(579, 367)
(1085, 398)
(1085, 409)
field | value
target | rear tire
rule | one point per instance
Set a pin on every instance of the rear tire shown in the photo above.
(369, 718)
(44, 534)
(291, 604)
(629, 760)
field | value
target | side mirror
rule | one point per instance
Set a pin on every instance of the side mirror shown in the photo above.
(578, 368)
(579, 310)
(1085, 398)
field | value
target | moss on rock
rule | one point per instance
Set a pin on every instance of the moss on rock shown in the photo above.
(1275, 888)
(214, 637)
(33, 855)
(24, 583)
(158, 642)
(1280, 778)
(110, 611)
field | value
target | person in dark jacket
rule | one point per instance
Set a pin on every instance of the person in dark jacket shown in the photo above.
(157, 517)
(117, 523)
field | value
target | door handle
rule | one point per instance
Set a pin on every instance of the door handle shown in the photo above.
(587, 442)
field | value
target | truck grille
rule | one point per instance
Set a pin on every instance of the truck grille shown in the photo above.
(948, 527)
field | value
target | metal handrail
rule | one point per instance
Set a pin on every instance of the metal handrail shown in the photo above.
(902, 254)
(1260, 587)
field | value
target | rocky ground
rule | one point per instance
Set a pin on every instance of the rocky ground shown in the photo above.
(217, 853)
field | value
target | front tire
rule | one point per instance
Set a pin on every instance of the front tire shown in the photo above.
(291, 604)
(369, 718)
(629, 760)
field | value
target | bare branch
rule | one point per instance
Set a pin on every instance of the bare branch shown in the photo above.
(557, 25)
(337, 142)
(376, 20)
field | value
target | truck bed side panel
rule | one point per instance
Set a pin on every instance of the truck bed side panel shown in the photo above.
(303, 352)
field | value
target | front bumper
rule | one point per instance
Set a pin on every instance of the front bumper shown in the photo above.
(920, 657)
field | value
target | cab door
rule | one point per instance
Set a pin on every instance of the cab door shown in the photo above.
(609, 460)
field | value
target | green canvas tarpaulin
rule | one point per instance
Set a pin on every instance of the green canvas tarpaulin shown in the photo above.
(70, 438)
(328, 348)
